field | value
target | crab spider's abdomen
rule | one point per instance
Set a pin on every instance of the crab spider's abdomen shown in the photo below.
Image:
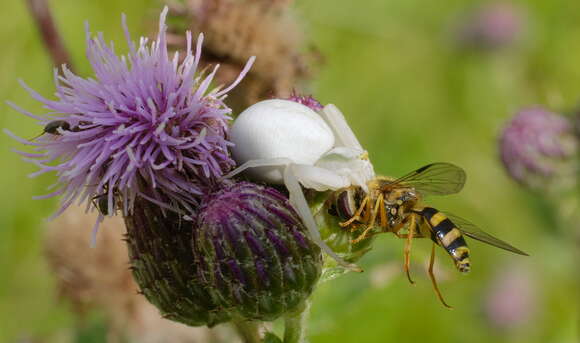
(282, 129)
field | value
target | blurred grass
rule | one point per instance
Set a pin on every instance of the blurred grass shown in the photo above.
(412, 99)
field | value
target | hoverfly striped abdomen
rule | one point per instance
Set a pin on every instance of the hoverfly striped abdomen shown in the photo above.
(447, 235)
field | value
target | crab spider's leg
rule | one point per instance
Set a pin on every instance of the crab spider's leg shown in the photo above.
(345, 137)
(343, 133)
(317, 178)
(265, 162)
(298, 200)
(407, 250)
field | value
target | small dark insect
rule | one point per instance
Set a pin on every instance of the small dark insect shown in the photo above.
(53, 126)
(101, 203)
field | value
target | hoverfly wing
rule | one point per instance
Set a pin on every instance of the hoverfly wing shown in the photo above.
(434, 179)
(471, 230)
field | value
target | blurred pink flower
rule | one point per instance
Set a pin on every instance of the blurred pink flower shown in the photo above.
(538, 146)
(511, 300)
(491, 26)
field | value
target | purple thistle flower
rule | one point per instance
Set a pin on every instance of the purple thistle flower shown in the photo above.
(511, 299)
(537, 146)
(146, 126)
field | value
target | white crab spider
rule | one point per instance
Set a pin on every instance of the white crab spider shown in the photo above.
(284, 142)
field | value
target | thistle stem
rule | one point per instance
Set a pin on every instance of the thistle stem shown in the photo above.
(247, 330)
(51, 38)
(295, 325)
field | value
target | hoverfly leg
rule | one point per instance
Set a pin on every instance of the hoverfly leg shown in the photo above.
(432, 276)
(383, 214)
(367, 216)
(376, 210)
(412, 232)
(356, 215)
(363, 235)
(407, 249)
(371, 223)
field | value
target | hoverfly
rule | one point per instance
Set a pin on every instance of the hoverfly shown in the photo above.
(396, 205)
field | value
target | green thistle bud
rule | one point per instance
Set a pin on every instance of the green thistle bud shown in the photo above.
(253, 254)
(163, 266)
(246, 256)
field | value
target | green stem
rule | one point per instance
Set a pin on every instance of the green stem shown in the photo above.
(295, 324)
(248, 331)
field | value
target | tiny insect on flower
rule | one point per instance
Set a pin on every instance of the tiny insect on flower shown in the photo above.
(289, 143)
(146, 126)
(306, 100)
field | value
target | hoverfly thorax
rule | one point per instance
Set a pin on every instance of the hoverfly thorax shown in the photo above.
(398, 204)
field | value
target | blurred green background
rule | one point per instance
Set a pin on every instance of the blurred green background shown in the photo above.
(413, 97)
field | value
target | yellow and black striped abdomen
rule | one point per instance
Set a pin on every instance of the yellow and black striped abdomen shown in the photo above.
(448, 236)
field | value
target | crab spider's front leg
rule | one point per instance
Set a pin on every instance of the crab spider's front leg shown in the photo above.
(342, 132)
(318, 178)
(298, 200)
(347, 147)
(266, 162)
(313, 177)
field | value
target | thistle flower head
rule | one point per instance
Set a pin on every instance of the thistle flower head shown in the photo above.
(253, 252)
(147, 125)
(538, 146)
(247, 255)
